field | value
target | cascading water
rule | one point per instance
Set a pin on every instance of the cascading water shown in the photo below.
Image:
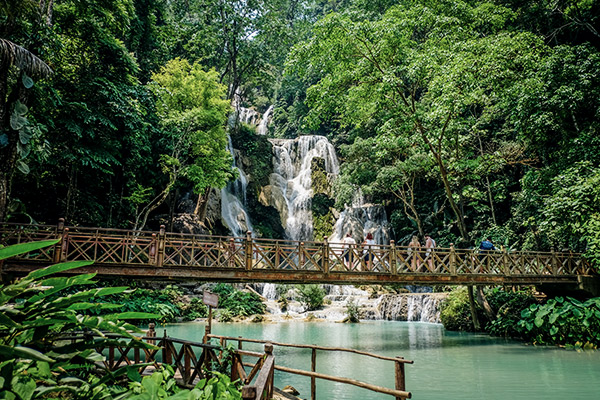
(292, 177)
(233, 199)
(263, 126)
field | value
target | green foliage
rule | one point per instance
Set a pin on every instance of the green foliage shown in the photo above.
(243, 304)
(237, 302)
(508, 306)
(193, 111)
(352, 311)
(163, 385)
(455, 312)
(562, 321)
(35, 312)
(311, 296)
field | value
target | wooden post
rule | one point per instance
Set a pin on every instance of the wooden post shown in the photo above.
(248, 247)
(393, 261)
(160, 259)
(187, 364)
(400, 376)
(166, 350)
(151, 332)
(64, 248)
(476, 324)
(313, 380)
(505, 261)
(554, 262)
(230, 254)
(269, 388)
(302, 258)
(152, 252)
(58, 246)
(325, 256)
(452, 259)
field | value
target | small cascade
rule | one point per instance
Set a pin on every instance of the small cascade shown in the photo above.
(233, 199)
(292, 179)
(420, 307)
(269, 291)
(263, 126)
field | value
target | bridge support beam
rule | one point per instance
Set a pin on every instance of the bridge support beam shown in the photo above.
(589, 284)
(584, 287)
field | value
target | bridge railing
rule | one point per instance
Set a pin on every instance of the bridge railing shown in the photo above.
(398, 366)
(164, 249)
(191, 361)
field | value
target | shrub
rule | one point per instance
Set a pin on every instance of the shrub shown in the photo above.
(311, 296)
(455, 312)
(562, 321)
(352, 311)
(508, 307)
(243, 304)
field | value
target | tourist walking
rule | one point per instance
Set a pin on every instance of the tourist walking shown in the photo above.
(349, 245)
(368, 247)
(487, 245)
(429, 246)
(413, 253)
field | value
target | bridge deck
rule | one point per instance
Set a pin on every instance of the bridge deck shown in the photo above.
(215, 258)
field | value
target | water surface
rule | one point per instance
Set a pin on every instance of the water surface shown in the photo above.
(447, 365)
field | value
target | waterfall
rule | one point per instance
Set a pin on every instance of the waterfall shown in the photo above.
(263, 126)
(421, 307)
(361, 219)
(233, 199)
(292, 176)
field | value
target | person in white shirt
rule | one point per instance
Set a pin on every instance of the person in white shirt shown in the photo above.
(368, 247)
(349, 245)
(429, 246)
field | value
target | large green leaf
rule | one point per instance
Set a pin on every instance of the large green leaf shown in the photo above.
(23, 386)
(22, 248)
(8, 352)
(135, 315)
(58, 268)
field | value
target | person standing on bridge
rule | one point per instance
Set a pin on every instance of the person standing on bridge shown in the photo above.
(429, 246)
(487, 245)
(413, 253)
(368, 247)
(349, 245)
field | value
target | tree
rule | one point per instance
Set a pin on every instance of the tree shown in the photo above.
(433, 73)
(193, 108)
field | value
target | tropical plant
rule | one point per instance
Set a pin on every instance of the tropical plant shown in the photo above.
(352, 310)
(35, 312)
(562, 321)
(455, 312)
(312, 297)
(508, 306)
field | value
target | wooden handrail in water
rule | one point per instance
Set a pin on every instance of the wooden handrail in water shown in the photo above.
(400, 381)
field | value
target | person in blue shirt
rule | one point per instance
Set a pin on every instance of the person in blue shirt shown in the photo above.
(487, 245)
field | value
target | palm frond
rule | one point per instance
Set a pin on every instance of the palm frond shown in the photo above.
(13, 54)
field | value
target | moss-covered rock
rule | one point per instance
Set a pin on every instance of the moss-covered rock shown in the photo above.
(322, 202)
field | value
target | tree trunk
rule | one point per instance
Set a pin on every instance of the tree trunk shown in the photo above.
(202, 205)
(482, 301)
(476, 325)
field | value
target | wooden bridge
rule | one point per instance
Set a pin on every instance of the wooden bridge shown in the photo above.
(122, 253)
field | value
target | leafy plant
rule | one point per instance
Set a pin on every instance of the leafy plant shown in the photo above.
(311, 296)
(352, 311)
(562, 321)
(455, 312)
(35, 312)
(508, 307)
